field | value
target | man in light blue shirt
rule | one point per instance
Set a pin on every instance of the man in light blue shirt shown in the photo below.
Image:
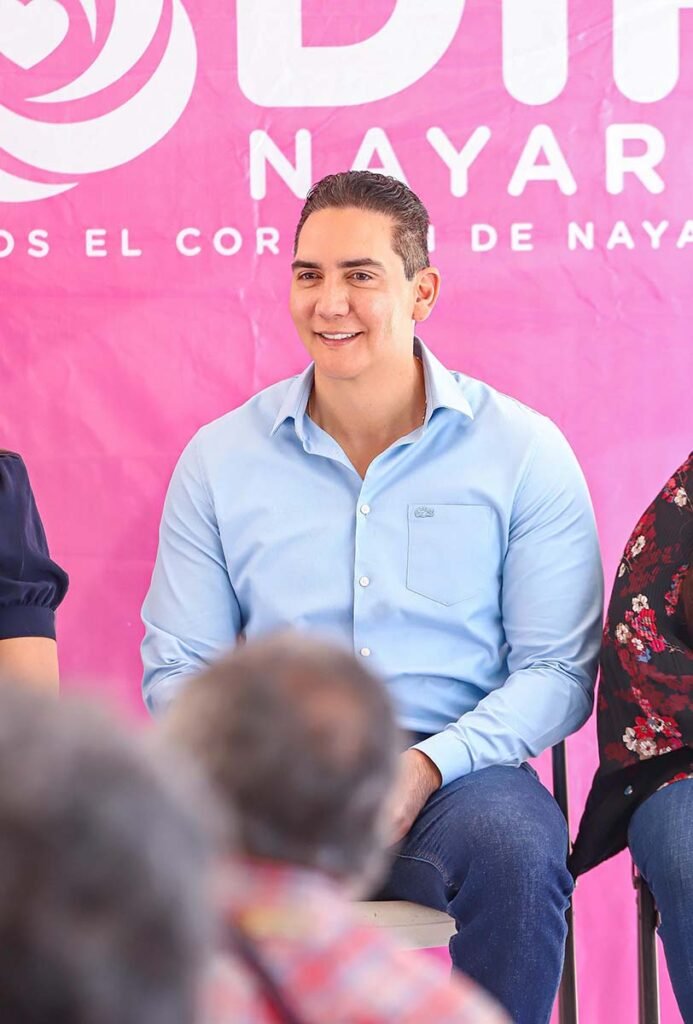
(441, 530)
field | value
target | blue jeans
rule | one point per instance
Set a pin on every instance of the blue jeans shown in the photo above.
(490, 849)
(660, 837)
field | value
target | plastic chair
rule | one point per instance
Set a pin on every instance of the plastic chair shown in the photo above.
(648, 975)
(417, 927)
(412, 925)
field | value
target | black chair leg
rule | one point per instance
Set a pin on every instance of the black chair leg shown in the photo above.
(648, 975)
(567, 992)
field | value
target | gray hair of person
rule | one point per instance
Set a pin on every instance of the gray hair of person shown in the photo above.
(301, 744)
(104, 870)
(379, 193)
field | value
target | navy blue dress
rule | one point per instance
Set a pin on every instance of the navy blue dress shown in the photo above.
(31, 584)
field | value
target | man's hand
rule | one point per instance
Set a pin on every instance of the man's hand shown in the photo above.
(418, 779)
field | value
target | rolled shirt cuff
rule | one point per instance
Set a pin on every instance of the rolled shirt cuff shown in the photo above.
(26, 620)
(448, 753)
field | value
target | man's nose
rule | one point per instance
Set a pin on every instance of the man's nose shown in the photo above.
(332, 300)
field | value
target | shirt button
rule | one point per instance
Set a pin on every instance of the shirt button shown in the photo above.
(364, 510)
(365, 652)
(364, 581)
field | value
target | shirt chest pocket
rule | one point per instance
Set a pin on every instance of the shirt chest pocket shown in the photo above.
(449, 551)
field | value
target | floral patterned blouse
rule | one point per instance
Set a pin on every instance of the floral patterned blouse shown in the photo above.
(644, 706)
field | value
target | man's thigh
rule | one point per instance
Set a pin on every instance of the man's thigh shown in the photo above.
(497, 825)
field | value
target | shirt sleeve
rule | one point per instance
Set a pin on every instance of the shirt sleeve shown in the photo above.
(191, 613)
(552, 601)
(31, 584)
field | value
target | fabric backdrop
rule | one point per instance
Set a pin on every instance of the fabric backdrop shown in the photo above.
(152, 161)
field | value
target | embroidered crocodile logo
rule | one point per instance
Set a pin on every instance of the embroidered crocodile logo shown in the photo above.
(424, 512)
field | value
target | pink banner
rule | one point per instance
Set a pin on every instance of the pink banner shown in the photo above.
(153, 158)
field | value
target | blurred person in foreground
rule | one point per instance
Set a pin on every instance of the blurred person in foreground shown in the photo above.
(440, 530)
(300, 744)
(31, 584)
(642, 793)
(103, 873)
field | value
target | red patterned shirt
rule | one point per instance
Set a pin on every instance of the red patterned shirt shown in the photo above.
(327, 965)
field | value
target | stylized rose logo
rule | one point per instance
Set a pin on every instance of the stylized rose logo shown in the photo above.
(30, 32)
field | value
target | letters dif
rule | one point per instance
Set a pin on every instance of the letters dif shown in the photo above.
(534, 42)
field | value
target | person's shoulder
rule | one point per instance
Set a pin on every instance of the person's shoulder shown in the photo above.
(229, 993)
(256, 412)
(15, 488)
(253, 419)
(12, 463)
(392, 986)
(494, 409)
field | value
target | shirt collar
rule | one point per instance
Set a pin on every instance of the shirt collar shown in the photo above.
(295, 401)
(443, 391)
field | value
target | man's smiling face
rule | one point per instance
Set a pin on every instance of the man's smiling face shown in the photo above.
(350, 299)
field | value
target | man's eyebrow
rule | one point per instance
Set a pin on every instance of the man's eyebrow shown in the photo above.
(304, 265)
(365, 261)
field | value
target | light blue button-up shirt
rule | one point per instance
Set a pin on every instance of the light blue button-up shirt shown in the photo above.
(464, 567)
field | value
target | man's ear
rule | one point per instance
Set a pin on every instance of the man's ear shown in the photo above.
(427, 291)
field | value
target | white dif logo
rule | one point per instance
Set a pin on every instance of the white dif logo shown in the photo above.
(31, 32)
(534, 46)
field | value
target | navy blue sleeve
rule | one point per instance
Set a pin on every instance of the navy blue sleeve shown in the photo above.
(31, 584)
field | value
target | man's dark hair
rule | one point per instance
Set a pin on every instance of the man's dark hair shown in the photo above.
(102, 873)
(368, 190)
(301, 745)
